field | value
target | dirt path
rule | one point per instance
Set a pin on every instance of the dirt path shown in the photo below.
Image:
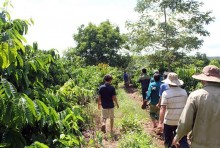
(135, 95)
(111, 141)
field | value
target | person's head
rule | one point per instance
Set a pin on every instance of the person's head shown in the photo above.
(165, 74)
(173, 80)
(156, 77)
(156, 71)
(209, 73)
(144, 70)
(108, 78)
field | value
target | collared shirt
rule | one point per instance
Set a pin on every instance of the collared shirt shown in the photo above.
(175, 99)
(202, 115)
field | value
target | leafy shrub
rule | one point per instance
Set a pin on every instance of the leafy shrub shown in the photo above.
(130, 123)
(135, 140)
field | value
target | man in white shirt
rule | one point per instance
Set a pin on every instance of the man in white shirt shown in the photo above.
(172, 104)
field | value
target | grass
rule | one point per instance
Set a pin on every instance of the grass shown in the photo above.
(129, 122)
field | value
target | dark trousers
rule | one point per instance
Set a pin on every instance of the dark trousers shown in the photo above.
(169, 133)
(144, 94)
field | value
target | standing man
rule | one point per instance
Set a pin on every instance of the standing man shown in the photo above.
(172, 104)
(144, 80)
(106, 99)
(153, 99)
(126, 79)
(201, 114)
(163, 87)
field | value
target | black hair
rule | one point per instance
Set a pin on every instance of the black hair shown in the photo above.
(165, 74)
(144, 70)
(108, 77)
(156, 77)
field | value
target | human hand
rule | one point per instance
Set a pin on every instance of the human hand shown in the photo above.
(99, 106)
(175, 142)
(158, 105)
(160, 126)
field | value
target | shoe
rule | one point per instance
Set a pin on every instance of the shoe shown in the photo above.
(103, 129)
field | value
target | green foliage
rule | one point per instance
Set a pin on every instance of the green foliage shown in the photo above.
(100, 44)
(170, 26)
(137, 140)
(11, 38)
(215, 62)
(190, 83)
(130, 124)
(37, 144)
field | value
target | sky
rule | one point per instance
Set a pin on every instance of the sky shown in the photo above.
(57, 20)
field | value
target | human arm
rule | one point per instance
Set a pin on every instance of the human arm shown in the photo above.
(161, 117)
(115, 100)
(163, 108)
(148, 93)
(99, 102)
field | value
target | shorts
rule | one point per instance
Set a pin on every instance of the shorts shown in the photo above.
(108, 113)
(154, 112)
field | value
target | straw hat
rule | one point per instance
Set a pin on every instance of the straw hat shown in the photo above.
(209, 73)
(172, 79)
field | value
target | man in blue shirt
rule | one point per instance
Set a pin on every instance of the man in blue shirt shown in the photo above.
(106, 99)
(153, 99)
(126, 80)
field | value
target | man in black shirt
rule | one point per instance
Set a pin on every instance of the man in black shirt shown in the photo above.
(106, 99)
(145, 81)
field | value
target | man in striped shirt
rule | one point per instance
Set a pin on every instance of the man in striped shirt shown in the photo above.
(172, 104)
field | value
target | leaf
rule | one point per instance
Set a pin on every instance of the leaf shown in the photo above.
(26, 80)
(19, 44)
(33, 65)
(20, 60)
(30, 105)
(42, 106)
(9, 89)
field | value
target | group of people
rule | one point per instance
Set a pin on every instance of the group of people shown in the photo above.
(172, 110)
(177, 114)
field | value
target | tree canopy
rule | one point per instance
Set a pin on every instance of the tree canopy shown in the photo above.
(100, 44)
(169, 25)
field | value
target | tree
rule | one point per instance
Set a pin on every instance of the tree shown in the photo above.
(100, 44)
(11, 38)
(170, 25)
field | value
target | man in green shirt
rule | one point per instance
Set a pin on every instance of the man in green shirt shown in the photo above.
(201, 114)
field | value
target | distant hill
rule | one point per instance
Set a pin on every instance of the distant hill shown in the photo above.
(217, 58)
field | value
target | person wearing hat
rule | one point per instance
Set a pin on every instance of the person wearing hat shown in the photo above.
(173, 101)
(106, 99)
(201, 115)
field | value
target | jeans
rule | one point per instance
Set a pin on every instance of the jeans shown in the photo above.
(169, 133)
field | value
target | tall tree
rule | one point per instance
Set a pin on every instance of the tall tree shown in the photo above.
(169, 25)
(100, 44)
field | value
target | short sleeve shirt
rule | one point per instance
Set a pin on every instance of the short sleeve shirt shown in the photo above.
(106, 92)
(163, 87)
(175, 99)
